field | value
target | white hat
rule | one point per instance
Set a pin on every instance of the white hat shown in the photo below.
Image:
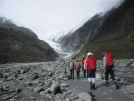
(89, 53)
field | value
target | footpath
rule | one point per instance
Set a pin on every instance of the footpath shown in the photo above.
(102, 92)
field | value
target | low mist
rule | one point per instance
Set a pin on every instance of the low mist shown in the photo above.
(50, 18)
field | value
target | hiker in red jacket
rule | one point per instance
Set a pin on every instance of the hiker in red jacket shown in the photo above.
(108, 65)
(90, 64)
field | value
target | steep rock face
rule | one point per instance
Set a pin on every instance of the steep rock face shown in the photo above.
(118, 20)
(111, 31)
(116, 32)
(19, 44)
(74, 40)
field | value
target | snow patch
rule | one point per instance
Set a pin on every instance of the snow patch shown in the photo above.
(57, 47)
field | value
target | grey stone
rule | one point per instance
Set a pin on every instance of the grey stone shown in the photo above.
(18, 90)
(55, 88)
(43, 93)
(73, 97)
(5, 88)
(20, 78)
(26, 70)
(6, 75)
(50, 74)
(48, 90)
(67, 99)
(29, 83)
(64, 85)
(1, 75)
(69, 92)
(38, 89)
(10, 78)
(35, 76)
(35, 82)
(41, 83)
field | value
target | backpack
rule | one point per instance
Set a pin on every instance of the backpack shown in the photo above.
(109, 59)
(91, 63)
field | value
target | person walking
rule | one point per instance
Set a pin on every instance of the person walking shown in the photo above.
(90, 64)
(83, 67)
(77, 69)
(72, 66)
(108, 66)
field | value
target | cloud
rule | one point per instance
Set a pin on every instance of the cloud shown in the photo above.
(49, 17)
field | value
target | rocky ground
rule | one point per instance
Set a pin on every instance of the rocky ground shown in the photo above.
(48, 81)
(31, 82)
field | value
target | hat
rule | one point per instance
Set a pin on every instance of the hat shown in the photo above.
(89, 53)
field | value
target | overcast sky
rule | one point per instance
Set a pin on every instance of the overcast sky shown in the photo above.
(50, 17)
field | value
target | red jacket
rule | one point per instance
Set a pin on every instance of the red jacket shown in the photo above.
(109, 58)
(90, 63)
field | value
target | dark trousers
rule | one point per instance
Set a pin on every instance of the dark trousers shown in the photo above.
(78, 74)
(91, 74)
(72, 73)
(84, 73)
(109, 71)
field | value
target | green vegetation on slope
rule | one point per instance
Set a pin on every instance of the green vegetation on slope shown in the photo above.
(116, 33)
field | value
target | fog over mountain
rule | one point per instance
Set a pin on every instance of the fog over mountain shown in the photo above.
(50, 17)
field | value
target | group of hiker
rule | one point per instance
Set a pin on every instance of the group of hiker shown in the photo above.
(88, 65)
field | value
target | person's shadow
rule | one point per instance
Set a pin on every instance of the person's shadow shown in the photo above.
(93, 97)
(116, 83)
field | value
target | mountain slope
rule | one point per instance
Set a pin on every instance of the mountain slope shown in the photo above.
(75, 39)
(116, 33)
(111, 31)
(19, 44)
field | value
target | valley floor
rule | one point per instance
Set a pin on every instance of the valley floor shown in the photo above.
(48, 81)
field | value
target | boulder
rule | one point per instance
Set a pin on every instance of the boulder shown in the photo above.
(64, 86)
(4, 88)
(38, 89)
(55, 88)
(35, 76)
(1, 75)
(50, 74)
(26, 70)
